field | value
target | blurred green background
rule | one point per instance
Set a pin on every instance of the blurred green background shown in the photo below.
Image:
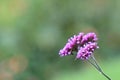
(33, 31)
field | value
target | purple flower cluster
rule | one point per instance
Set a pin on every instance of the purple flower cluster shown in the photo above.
(84, 45)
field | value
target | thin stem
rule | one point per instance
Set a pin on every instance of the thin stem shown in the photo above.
(105, 75)
(95, 64)
(100, 68)
(94, 60)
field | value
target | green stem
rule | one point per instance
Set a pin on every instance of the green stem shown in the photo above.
(95, 64)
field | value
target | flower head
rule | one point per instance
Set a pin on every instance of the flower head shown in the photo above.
(68, 48)
(83, 45)
(86, 51)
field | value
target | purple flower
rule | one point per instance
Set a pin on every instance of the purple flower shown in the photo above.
(83, 45)
(67, 50)
(86, 51)
(79, 38)
(90, 37)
